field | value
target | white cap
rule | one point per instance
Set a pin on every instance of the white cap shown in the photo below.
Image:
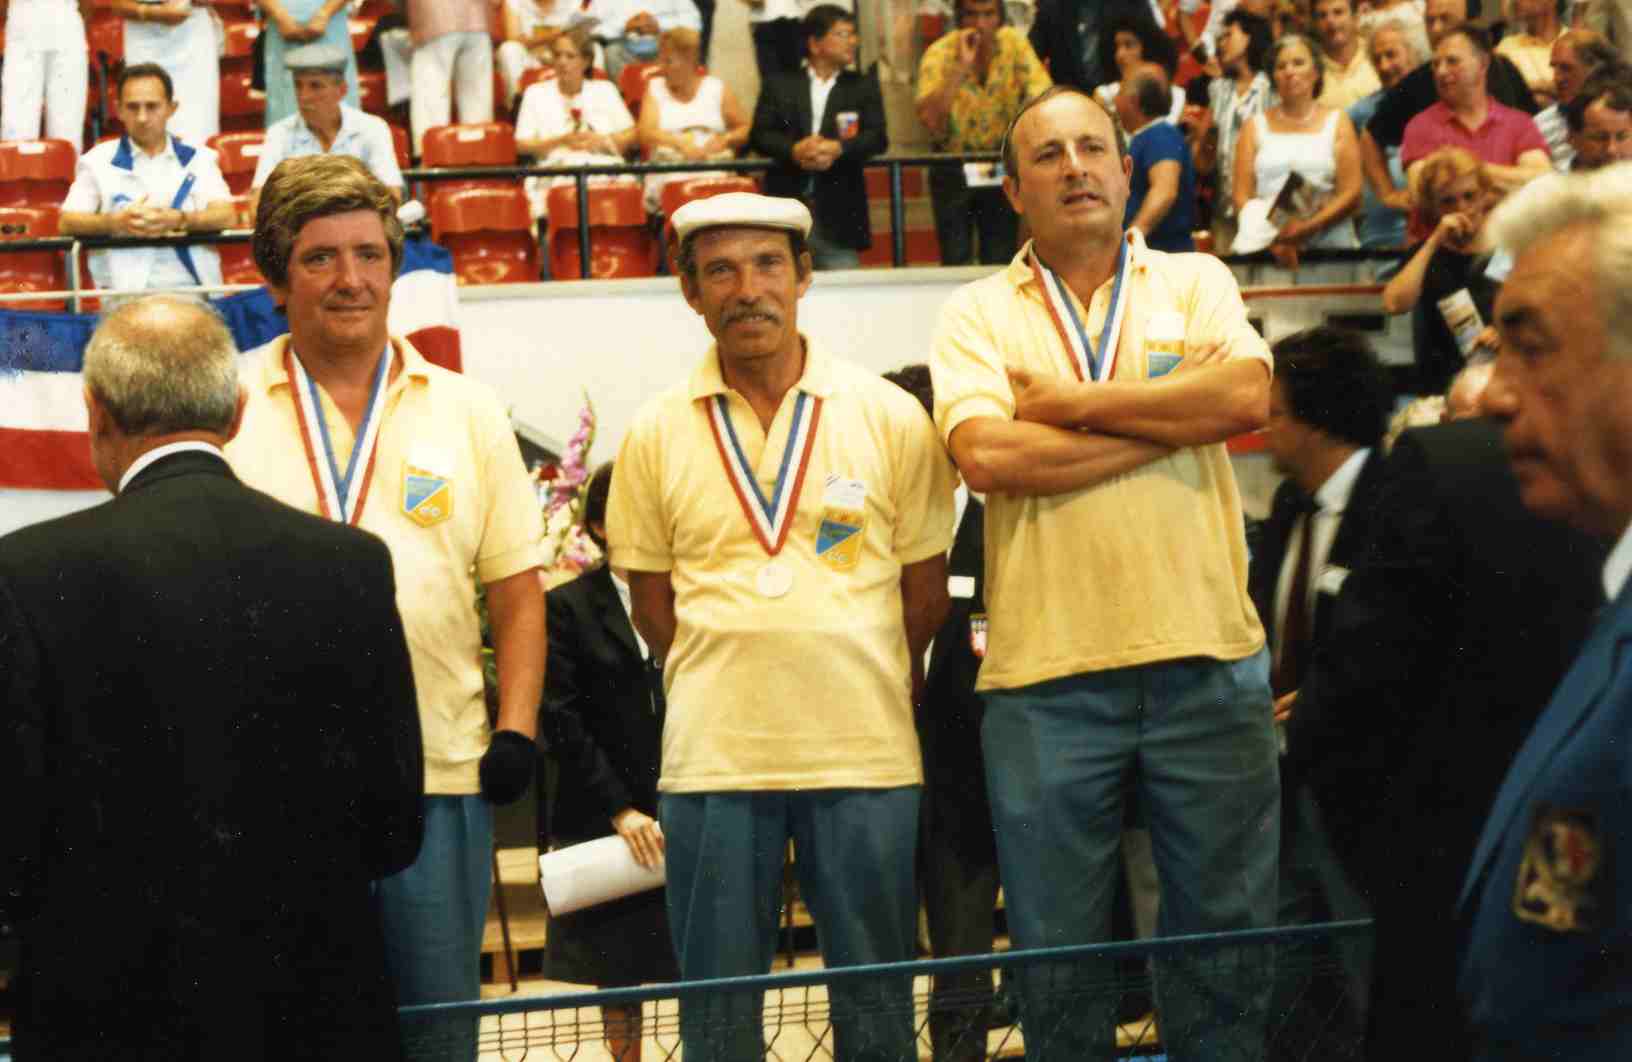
(319, 55)
(741, 208)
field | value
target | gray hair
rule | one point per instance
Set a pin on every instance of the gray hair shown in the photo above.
(164, 364)
(1411, 32)
(1601, 200)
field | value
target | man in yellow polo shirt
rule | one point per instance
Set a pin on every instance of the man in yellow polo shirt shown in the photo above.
(351, 423)
(784, 517)
(1087, 390)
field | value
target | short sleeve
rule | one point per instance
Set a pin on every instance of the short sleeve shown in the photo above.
(1529, 137)
(636, 529)
(1418, 143)
(382, 155)
(84, 195)
(924, 481)
(211, 187)
(966, 366)
(273, 150)
(512, 525)
(1218, 315)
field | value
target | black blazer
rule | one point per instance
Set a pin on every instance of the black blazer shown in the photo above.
(602, 720)
(210, 747)
(838, 196)
(1444, 646)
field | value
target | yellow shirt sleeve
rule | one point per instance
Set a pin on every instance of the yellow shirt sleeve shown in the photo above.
(967, 367)
(636, 528)
(512, 524)
(924, 488)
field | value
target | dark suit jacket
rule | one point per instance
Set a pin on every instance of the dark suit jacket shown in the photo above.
(1269, 554)
(210, 748)
(1445, 643)
(602, 721)
(1548, 960)
(838, 196)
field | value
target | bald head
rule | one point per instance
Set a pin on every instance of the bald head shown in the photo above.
(1144, 96)
(164, 364)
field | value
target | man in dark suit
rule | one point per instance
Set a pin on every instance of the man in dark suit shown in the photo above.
(820, 125)
(1328, 409)
(1547, 956)
(957, 849)
(209, 746)
(1443, 645)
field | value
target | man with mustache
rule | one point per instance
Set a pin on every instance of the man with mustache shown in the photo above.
(1087, 389)
(352, 423)
(784, 518)
(1546, 961)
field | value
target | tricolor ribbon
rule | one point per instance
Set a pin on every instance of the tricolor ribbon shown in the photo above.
(339, 497)
(1089, 364)
(771, 518)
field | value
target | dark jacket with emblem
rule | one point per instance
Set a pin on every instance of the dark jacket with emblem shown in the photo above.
(210, 748)
(1547, 971)
(1447, 639)
(837, 197)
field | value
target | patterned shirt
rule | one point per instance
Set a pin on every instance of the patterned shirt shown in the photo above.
(1231, 113)
(981, 110)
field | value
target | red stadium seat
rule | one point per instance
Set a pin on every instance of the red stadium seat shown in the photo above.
(489, 231)
(632, 83)
(36, 172)
(361, 30)
(371, 92)
(532, 77)
(22, 271)
(238, 264)
(399, 140)
(239, 154)
(238, 57)
(481, 144)
(243, 108)
(620, 244)
(105, 35)
(677, 194)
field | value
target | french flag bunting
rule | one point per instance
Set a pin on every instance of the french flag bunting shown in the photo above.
(45, 457)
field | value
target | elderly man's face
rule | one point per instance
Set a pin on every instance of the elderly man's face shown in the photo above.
(1605, 136)
(1564, 405)
(1391, 56)
(318, 94)
(747, 289)
(1069, 182)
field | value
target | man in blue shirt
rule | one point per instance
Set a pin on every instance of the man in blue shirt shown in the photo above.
(1162, 186)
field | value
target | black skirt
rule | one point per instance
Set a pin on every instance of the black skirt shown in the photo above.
(612, 945)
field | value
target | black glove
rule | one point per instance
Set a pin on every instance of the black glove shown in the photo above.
(507, 766)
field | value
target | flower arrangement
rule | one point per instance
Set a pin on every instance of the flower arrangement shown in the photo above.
(568, 549)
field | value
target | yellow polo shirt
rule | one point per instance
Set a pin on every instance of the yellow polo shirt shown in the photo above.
(453, 428)
(1145, 567)
(1347, 85)
(809, 690)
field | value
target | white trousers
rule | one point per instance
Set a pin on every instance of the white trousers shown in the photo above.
(466, 61)
(188, 52)
(45, 75)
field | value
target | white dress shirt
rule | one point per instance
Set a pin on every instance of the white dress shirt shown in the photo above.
(629, 610)
(1619, 565)
(159, 453)
(820, 90)
(1332, 498)
(362, 136)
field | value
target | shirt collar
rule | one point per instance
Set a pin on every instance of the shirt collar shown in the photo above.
(159, 453)
(346, 122)
(1333, 495)
(1619, 565)
(817, 378)
(830, 79)
(273, 375)
(1147, 125)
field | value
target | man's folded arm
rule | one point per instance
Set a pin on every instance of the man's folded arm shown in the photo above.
(1022, 458)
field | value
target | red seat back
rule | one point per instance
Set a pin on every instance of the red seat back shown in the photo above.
(36, 172)
(677, 194)
(239, 154)
(371, 92)
(241, 35)
(489, 231)
(632, 83)
(480, 210)
(474, 144)
(243, 107)
(620, 244)
(105, 35)
(610, 206)
(22, 271)
(238, 264)
(362, 28)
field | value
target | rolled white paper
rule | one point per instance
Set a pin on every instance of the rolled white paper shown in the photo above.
(583, 875)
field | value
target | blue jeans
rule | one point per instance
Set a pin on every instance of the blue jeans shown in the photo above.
(432, 915)
(1195, 736)
(854, 856)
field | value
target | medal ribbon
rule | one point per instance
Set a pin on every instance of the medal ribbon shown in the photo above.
(338, 497)
(771, 519)
(1089, 366)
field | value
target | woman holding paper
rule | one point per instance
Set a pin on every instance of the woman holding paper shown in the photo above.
(601, 727)
(1297, 140)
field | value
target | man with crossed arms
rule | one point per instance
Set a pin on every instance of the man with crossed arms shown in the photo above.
(784, 517)
(1121, 634)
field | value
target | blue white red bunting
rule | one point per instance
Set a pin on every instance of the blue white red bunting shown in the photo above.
(1089, 363)
(339, 496)
(769, 518)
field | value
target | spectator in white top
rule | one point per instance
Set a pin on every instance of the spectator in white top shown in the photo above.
(451, 47)
(179, 35)
(46, 70)
(1577, 55)
(687, 116)
(629, 29)
(572, 120)
(148, 183)
(324, 124)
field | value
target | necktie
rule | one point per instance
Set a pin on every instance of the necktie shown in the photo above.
(1295, 631)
